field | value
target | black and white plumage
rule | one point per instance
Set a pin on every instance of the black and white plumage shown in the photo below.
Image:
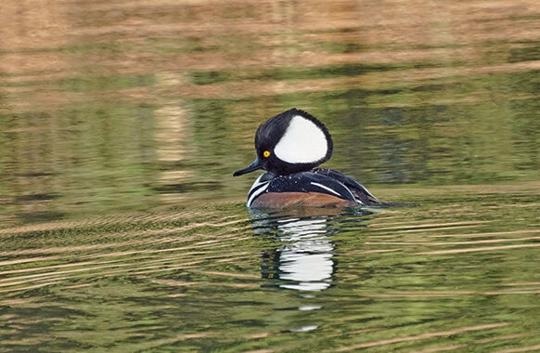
(317, 180)
(289, 147)
(295, 140)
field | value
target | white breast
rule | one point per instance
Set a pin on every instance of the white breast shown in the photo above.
(303, 142)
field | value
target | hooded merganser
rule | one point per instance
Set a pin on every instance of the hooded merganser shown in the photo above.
(290, 146)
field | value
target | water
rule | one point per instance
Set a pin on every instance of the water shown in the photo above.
(122, 229)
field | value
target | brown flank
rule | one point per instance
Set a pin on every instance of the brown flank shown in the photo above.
(299, 199)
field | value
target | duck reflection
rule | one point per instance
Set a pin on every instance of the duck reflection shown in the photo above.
(304, 260)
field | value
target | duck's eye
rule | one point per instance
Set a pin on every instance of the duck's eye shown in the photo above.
(266, 154)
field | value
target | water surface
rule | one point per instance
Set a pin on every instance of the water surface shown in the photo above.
(122, 229)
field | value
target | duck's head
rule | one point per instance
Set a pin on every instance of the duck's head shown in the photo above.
(290, 142)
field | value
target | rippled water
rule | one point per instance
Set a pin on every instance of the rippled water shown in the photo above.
(122, 229)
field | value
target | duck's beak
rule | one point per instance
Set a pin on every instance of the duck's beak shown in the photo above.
(256, 164)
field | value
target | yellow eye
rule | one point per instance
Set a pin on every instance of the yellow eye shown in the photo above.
(266, 154)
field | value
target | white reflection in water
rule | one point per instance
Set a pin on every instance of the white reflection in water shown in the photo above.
(304, 261)
(306, 257)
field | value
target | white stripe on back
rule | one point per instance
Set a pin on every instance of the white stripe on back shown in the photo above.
(326, 188)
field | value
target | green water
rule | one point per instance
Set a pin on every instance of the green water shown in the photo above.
(123, 230)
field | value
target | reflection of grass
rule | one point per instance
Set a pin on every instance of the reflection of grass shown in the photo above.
(91, 83)
(114, 47)
(98, 83)
(210, 77)
(341, 47)
(438, 131)
(531, 52)
(177, 45)
(97, 157)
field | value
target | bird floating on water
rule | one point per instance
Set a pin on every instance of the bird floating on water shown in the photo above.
(290, 146)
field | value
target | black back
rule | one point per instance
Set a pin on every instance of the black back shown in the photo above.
(325, 181)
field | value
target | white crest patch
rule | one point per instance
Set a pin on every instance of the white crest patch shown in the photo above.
(303, 142)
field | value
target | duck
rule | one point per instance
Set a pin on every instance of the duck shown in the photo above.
(290, 147)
